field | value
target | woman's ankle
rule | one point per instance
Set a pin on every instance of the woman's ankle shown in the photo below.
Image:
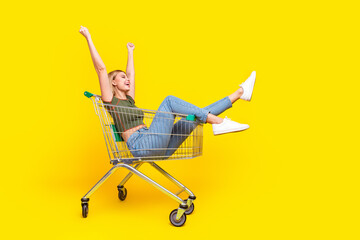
(212, 119)
(236, 95)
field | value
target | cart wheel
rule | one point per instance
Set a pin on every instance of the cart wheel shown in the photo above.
(122, 193)
(190, 209)
(85, 209)
(177, 223)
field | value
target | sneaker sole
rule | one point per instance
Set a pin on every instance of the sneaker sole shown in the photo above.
(252, 88)
(228, 131)
(251, 91)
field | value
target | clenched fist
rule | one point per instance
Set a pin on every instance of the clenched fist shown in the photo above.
(85, 32)
(130, 46)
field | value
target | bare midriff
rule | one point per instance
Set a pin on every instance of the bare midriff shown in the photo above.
(125, 135)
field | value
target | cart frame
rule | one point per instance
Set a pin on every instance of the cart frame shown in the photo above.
(120, 157)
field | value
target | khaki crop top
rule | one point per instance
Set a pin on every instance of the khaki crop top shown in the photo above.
(125, 118)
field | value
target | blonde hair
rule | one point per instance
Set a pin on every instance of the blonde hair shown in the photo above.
(112, 76)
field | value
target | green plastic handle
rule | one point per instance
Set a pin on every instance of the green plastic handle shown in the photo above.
(190, 117)
(87, 94)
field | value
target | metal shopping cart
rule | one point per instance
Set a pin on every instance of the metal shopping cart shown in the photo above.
(189, 137)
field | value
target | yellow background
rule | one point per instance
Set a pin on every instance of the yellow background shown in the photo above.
(292, 175)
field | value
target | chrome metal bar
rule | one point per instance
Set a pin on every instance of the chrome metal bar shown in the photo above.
(171, 178)
(101, 181)
(177, 193)
(97, 110)
(149, 180)
(122, 183)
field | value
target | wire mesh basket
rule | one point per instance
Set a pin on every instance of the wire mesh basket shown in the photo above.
(185, 140)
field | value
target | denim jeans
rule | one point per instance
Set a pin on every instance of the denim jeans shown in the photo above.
(163, 137)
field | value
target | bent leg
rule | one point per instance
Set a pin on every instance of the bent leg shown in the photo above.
(182, 129)
(160, 130)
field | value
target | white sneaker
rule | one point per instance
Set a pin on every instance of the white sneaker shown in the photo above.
(248, 87)
(228, 126)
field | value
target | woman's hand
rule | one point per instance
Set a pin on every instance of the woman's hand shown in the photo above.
(85, 32)
(130, 46)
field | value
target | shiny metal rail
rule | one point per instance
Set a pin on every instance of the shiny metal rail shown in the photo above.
(133, 170)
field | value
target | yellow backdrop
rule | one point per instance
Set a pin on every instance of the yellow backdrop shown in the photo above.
(292, 175)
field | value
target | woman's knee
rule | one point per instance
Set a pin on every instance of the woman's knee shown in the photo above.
(170, 98)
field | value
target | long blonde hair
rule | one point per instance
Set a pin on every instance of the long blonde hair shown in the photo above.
(111, 76)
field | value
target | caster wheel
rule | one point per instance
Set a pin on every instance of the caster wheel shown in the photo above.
(85, 209)
(122, 193)
(190, 209)
(177, 223)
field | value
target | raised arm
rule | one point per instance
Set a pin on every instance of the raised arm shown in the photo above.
(106, 92)
(130, 71)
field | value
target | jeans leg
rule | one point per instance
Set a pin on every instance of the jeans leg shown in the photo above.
(182, 129)
(177, 105)
(159, 133)
(220, 106)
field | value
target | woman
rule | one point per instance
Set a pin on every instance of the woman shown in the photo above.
(118, 88)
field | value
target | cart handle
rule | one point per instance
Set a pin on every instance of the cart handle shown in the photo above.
(88, 94)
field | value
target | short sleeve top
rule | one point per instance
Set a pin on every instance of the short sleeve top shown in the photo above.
(124, 113)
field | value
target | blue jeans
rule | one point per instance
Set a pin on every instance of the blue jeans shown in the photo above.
(163, 137)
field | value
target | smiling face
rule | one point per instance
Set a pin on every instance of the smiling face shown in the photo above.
(121, 82)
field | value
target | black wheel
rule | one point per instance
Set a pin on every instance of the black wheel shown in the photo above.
(85, 209)
(190, 209)
(177, 223)
(122, 193)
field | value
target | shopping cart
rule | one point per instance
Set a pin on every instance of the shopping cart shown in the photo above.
(187, 133)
